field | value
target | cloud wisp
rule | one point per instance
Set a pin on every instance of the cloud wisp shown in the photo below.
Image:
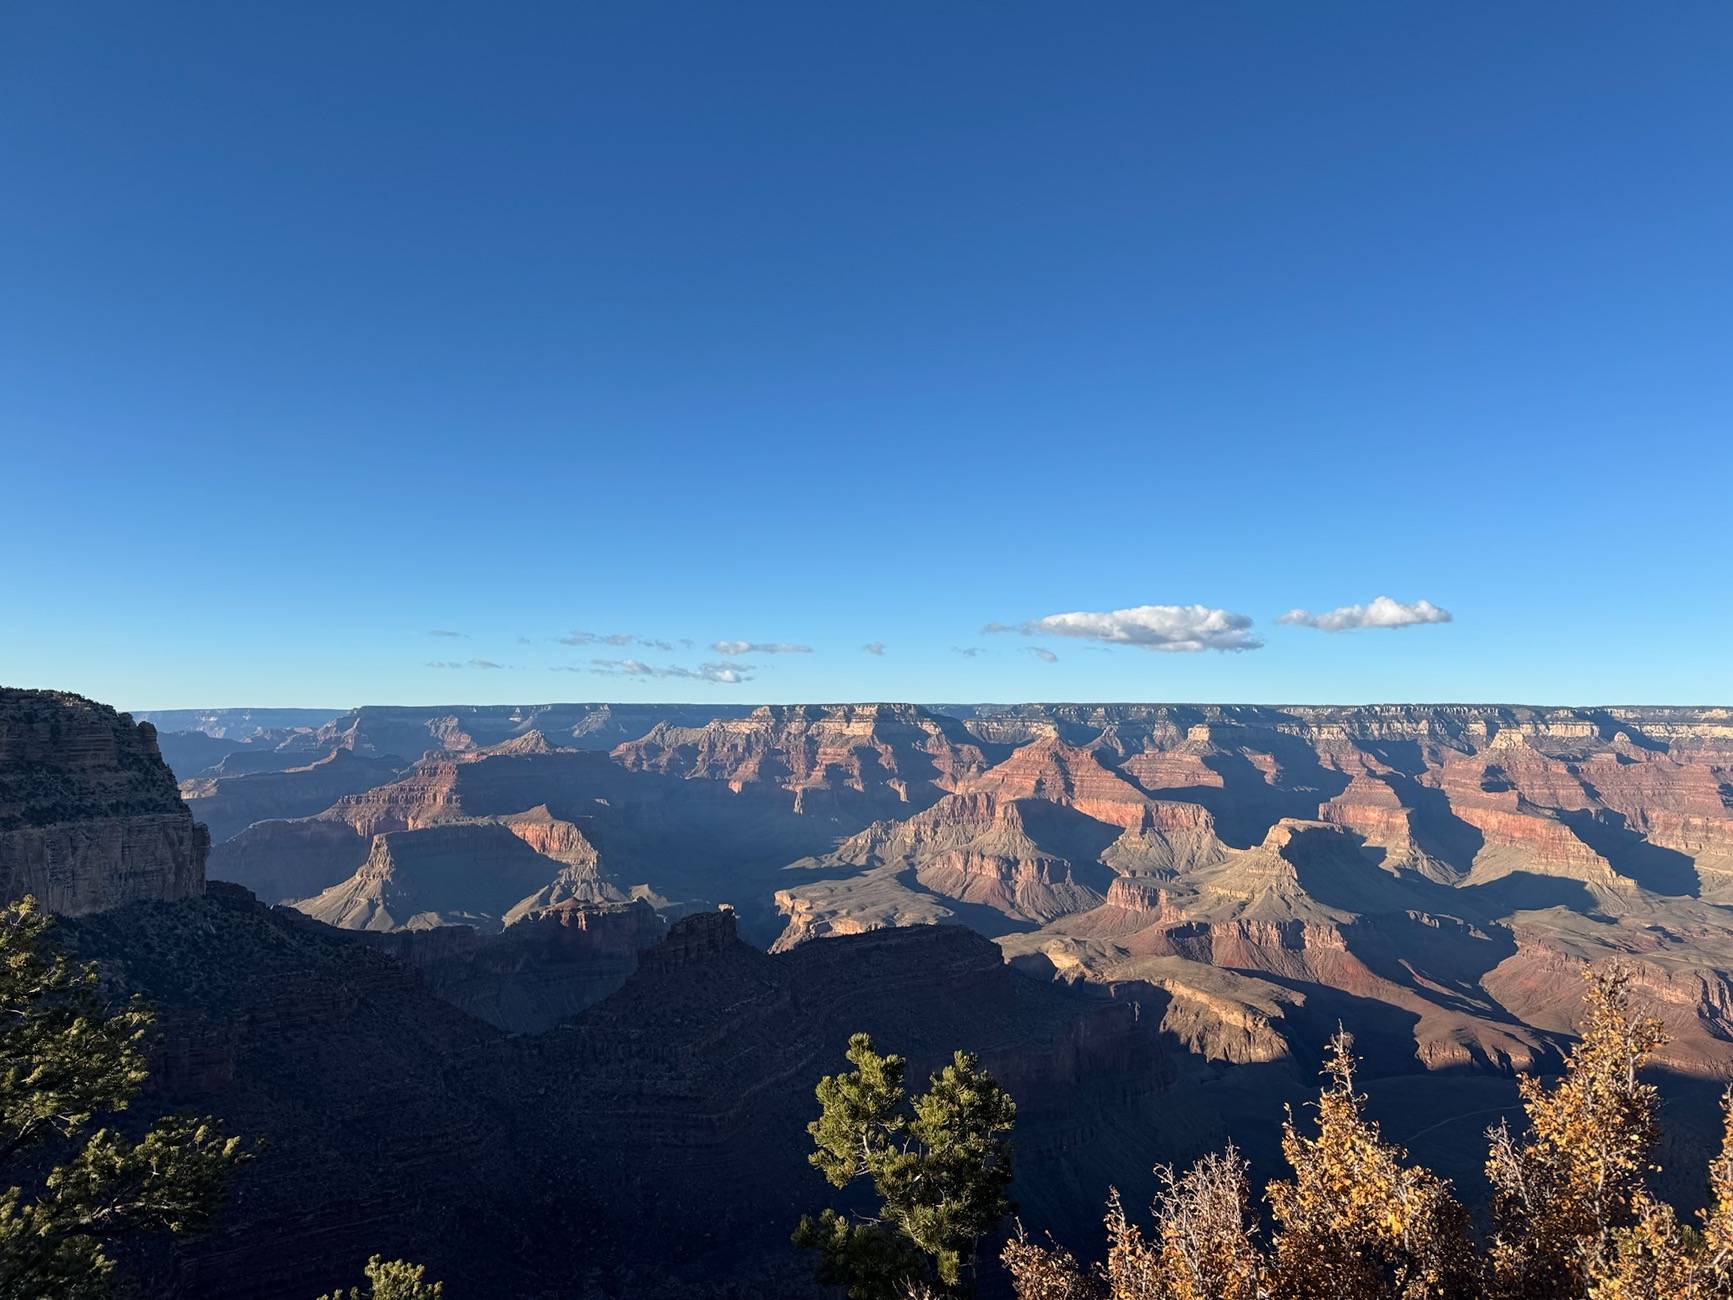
(967, 651)
(874, 647)
(1173, 629)
(1380, 612)
(734, 649)
(722, 674)
(613, 639)
(445, 632)
(1042, 653)
(480, 665)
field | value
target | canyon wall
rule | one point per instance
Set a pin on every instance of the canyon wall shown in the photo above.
(90, 817)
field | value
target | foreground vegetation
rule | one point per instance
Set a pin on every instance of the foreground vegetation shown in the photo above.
(1571, 1215)
(68, 1058)
(938, 1165)
(392, 1280)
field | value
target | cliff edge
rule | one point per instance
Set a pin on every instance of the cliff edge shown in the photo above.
(90, 818)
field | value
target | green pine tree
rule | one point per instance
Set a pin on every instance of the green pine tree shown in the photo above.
(67, 1058)
(393, 1280)
(939, 1164)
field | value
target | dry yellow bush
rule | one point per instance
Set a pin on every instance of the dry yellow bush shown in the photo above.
(1572, 1219)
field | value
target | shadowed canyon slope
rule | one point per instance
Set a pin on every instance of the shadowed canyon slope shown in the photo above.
(653, 1145)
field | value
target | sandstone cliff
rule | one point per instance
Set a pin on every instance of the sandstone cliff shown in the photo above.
(89, 815)
(831, 759)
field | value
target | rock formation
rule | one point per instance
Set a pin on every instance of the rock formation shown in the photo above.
(89, 815)
(1427, 859)
(466, 873)
(847, 759)
(230, 802)
(544, 967)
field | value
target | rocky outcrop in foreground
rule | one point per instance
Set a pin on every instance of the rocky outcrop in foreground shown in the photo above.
(89, 815)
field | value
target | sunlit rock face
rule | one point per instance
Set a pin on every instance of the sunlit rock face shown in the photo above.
(90, 818)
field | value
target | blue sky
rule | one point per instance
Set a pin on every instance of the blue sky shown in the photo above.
(327, 326)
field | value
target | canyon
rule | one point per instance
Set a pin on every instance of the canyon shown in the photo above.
(570, 972)
(1257, 866)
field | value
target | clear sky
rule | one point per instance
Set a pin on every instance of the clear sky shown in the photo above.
(325, 327)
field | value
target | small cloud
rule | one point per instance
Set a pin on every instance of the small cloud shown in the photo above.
(485, 665)
(1174, 629)
(737, 648)
(625, 668)
(724, 674)
(445, 663)
(524, 640)
(480, 665)
(1381, 612)
(444, 631)
(1045, 655)
(612, 638)
(874, 647)
(967, 651)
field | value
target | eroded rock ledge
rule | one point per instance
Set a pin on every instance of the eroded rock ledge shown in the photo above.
(90, 818)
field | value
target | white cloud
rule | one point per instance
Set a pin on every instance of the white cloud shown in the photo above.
(737, 648)
(1042, 653)
(724, 674)
(1179, 629)
(1382, 612)
(614, 639)
(443, 631)
(969, 651)
(874, 647)
(483, 665)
